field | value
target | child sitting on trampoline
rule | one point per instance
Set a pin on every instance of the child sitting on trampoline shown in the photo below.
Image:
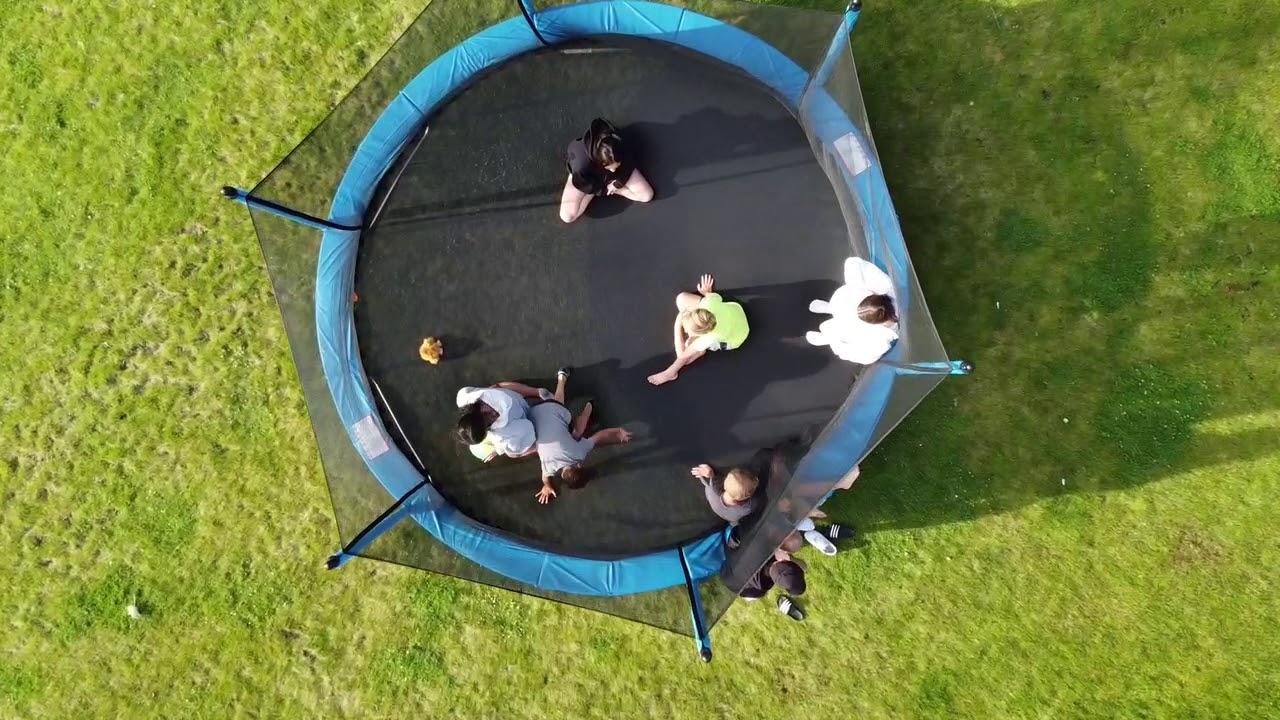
(738, 497)
(732, 497)
(561, 449)
(704, 322)
(600, 163)
(864, 321)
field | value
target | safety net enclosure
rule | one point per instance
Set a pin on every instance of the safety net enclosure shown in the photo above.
(426, 205)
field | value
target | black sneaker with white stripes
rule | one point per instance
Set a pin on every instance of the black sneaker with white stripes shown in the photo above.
(787, 607)
(836, 531)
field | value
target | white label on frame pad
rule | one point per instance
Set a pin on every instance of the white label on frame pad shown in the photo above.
(369, 437)
(852, 153)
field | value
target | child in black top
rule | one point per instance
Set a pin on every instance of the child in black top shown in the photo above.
(600, 163)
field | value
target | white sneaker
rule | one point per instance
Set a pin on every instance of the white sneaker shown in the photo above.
(820, 307)
(818, 540)
(816, 338)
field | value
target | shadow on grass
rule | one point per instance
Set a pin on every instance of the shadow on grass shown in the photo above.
(1008, 138)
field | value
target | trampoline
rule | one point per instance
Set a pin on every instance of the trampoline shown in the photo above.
(444, 223)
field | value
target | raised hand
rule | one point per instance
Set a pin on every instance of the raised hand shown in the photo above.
(702, 472)
(706, 285)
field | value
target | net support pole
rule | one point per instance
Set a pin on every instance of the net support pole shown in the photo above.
(530, 13)
(839, 42)
(375, 529)
(243, 197)
(701, 632)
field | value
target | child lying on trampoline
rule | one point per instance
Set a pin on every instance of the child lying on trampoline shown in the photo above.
(703, 322)
(494, 421)
(561, 449)
(600, 163)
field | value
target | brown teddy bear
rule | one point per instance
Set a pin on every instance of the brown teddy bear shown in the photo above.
(431, 350)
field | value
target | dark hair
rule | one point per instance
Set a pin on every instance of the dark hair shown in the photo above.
(606, 150)
(877, 310)
(471, 425)
(576, 476)
(788, 576)
(793, 542)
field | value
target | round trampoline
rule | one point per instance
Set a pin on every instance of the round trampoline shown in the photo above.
(442, 221)
(426, 205)
(456, 187)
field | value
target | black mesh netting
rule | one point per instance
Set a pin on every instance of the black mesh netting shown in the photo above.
(464, 243)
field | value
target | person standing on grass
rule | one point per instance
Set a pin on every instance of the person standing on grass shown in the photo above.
(783, 571)
(600, 164)
(845, 483)
(704, 322)
(559, 436)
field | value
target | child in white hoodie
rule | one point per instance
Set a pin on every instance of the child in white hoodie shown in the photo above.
(864, 322)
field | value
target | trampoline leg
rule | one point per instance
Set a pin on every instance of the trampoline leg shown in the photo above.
(337, 560)
(701, 632)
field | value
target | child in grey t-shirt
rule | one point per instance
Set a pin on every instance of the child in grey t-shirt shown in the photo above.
(561, 448)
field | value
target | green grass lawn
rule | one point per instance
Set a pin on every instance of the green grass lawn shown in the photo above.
(1086, 527)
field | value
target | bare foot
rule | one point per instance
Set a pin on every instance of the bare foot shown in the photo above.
(661, 378)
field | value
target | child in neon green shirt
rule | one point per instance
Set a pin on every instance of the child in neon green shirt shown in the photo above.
(706, 322)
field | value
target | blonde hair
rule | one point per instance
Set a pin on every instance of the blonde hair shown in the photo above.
(697, 321)
(740, 485)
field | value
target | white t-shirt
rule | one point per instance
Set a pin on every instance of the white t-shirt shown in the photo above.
(512, 433)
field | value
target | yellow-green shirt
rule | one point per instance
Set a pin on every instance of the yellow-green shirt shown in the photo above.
(731, 324)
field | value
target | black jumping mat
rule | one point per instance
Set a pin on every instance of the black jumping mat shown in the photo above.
(468, 247)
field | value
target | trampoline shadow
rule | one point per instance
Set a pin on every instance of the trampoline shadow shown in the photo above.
(608, 206)
(457, 347)
(745, 143)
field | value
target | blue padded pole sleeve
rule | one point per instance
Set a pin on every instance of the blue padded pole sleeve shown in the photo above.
(383, 523)
(839, 42)
(530, 12)
(235, 194)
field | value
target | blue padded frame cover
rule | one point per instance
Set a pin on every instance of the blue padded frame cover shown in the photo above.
(391, 133)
